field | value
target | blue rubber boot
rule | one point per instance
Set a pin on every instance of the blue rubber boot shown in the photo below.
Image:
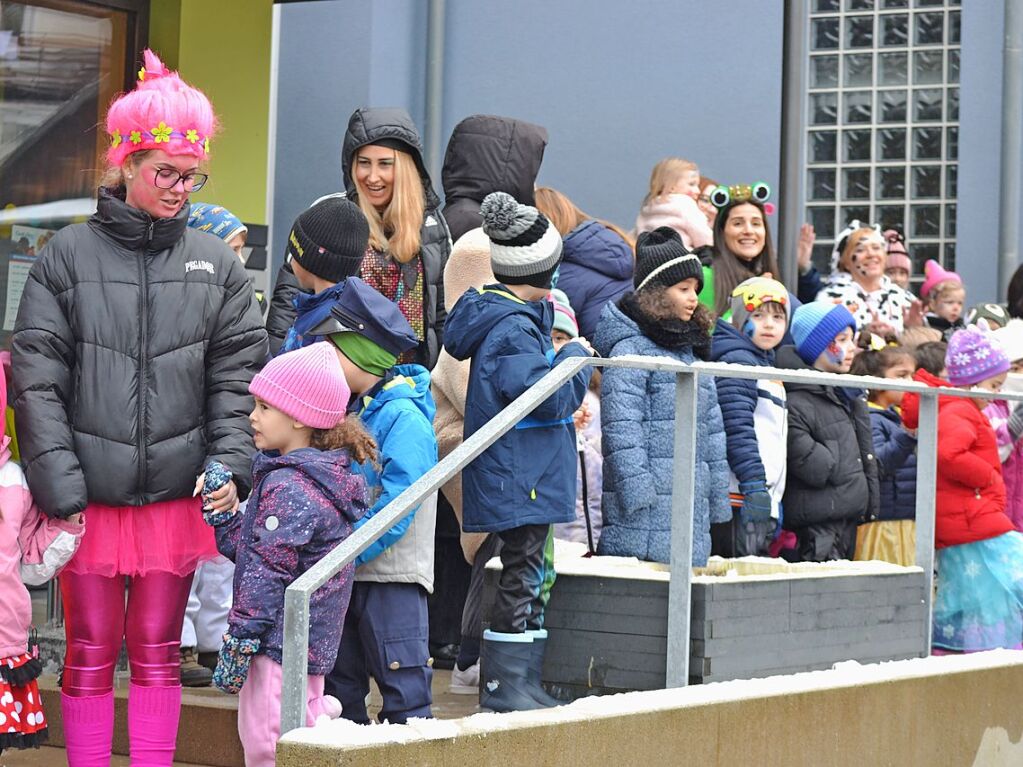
(504, 669)
(533, 673)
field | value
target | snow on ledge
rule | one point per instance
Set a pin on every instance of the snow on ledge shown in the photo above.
(344, 734)
(569, 559)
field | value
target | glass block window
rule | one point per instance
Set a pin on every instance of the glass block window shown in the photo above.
(883, 122)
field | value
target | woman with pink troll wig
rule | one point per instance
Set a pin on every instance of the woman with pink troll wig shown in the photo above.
(132, 353)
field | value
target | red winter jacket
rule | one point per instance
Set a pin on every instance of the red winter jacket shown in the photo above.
(910, 407)
(970, 499)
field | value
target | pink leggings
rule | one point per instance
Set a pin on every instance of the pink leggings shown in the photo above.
(96, 621)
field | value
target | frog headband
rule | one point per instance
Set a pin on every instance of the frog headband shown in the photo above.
(163, 112)
(722, 196)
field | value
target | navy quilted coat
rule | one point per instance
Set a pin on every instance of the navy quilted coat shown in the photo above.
(597, 269)
(895, 451)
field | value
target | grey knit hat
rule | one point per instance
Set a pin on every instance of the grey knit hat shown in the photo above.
(525, 249)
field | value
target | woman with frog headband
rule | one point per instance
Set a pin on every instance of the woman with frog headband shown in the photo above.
(133, 349)
(742, 244)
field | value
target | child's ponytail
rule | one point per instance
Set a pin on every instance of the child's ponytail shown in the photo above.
(348, 435)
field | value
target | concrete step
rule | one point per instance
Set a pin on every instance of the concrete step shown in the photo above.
(208, 732)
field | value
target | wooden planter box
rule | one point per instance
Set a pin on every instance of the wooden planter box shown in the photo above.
(751, 617)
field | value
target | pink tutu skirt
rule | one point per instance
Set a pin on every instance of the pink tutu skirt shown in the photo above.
(166, 537)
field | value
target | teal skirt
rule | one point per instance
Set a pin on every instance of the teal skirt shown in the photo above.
(979, 601)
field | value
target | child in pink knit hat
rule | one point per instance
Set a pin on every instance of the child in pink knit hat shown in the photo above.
(305, 500)
(944, 295)
(898, 267)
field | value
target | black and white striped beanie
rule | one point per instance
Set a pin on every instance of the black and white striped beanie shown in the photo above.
(662, 259)
(525, 249)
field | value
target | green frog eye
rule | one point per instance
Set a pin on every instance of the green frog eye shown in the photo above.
(720, 197)
(761, 192)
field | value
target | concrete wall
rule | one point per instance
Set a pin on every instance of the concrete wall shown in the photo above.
(955, 710)
(616, 88)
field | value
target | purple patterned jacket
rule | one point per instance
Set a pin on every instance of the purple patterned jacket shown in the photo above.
(303, 504)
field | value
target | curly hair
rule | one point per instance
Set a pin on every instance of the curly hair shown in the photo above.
(654, 302)
(348, 435)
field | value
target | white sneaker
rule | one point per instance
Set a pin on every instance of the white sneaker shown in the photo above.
(465, 682)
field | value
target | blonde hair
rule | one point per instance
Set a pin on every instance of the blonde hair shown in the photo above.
(666, 175)
(397, 230)
(113, 176)
(852, 241)
(942, 289)
(565, 216)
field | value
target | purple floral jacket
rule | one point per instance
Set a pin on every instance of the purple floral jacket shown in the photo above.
(303, 504)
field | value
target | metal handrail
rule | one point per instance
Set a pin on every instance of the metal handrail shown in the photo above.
(297, 595)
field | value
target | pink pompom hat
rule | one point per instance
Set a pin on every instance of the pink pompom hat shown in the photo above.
(934, 275)
(163, 112)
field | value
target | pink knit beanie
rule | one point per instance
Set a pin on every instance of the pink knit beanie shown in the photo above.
(163, 112)
(898, 258)
(308, 384)
(934, 275)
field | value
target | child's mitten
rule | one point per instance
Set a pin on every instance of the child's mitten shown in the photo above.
(215, 477)
(233, 663)
(756, 501)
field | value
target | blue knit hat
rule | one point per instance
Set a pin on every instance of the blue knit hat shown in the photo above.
(815, 325)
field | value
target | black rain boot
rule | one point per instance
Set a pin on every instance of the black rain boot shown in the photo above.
(535, 669)
(504, 667)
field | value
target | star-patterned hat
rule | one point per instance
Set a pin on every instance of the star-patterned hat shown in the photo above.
(974, 356)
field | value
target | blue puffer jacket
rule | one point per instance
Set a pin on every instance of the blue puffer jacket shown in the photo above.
(895, 451)
(638, 415)
(596, 270)
(398, 414)
(528, 476)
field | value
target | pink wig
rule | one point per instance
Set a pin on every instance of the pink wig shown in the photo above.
(163, 112)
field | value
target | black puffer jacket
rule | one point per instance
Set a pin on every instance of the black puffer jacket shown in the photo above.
(281, 314)
(832, 473)
(132, 354)
(489, 154)
(368, 126)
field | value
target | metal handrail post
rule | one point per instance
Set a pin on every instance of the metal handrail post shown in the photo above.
(926, 480)
(295, 660)
(683, 496)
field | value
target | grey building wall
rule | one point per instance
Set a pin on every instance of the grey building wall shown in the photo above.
(618, 86)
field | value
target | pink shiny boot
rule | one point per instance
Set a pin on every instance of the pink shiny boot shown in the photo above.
(88, 729)
(153, 714)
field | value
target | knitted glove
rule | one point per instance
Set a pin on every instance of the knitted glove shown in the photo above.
(756, 501)
(215, 477)
(233, 663)
(1015, 423)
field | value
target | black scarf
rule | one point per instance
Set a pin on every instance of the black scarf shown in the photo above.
(671, 333)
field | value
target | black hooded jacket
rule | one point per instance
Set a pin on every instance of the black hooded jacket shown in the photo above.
(132, 354)
(489, 154)
(368, 126)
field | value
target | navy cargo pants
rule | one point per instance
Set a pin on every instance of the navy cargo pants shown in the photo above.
(385, 636)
